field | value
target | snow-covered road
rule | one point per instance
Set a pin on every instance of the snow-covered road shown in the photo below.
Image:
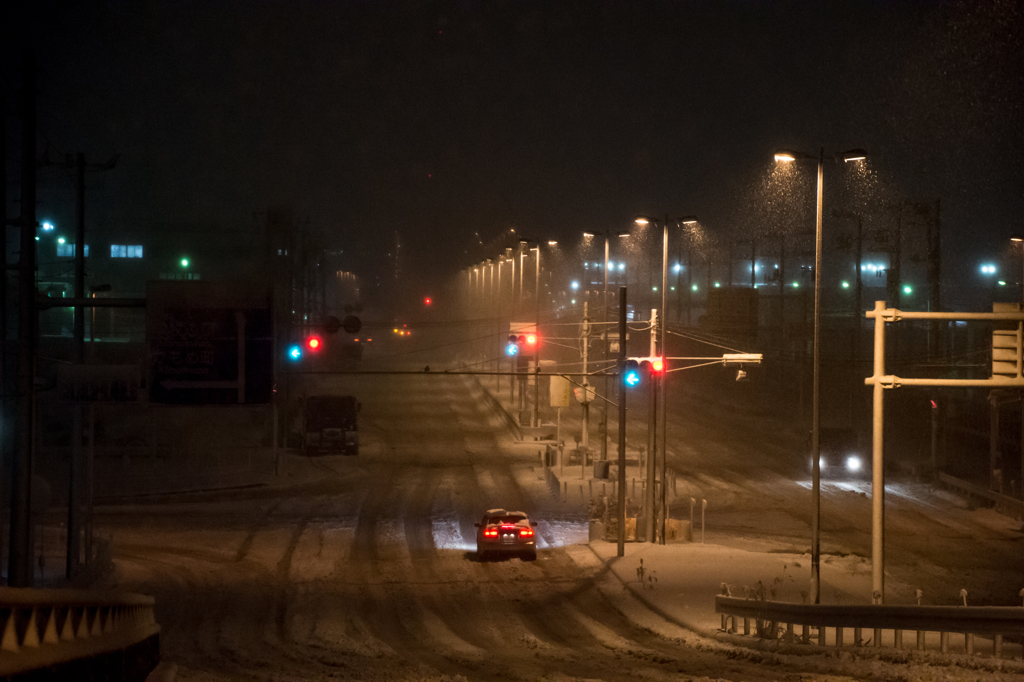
(368, 570)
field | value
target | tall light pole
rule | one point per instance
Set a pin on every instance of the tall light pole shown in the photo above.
(878, 482)
(662, 381)
(1019, 241)
(607, 322)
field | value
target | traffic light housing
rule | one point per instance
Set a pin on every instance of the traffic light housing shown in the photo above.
(638, 369)
(631, 373)
(520, 343)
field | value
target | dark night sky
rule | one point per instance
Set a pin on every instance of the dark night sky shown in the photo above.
(443, 119)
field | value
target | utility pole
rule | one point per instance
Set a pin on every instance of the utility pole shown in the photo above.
(652, 429)
(662, 337)
(607, 320)
(622, 423)
(78, 413)
(536, 357)
(74, 468)
(19, 572)
(585, 439)
(4, 421)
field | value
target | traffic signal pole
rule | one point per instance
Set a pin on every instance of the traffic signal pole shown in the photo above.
(622, 423)
(652, 428)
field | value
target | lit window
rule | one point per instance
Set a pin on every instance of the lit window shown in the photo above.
(125, 251)
(68, 250)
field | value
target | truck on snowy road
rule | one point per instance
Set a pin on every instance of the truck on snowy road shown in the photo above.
(330, 425)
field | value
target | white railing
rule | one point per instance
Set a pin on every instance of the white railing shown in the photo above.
(886, 624)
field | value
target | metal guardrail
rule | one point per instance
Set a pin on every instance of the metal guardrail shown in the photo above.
(1003, 502)
(996, 622)
(75, 634)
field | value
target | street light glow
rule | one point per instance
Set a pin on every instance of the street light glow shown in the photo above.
(688, 220)
(552, 242)
(785, 157)
(60, 240)
(184, 262)
(47, 226)
(588, 234)
(642, 221)
(575, 285)
(854, 155)
(988, 269)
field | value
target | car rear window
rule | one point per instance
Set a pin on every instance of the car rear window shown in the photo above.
(508, 518)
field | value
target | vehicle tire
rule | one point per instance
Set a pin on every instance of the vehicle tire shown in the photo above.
(530, 556)
(481, 554)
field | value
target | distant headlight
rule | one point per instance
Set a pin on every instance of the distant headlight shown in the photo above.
(853, 463)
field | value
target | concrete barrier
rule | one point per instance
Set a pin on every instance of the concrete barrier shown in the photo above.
(77, 635)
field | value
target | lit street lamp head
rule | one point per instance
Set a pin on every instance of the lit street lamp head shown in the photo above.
(643, 221)
(588, 234)
(785, 157)
(688, 220)
(854, 155)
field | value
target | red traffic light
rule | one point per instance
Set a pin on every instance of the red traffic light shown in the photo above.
(313, 343)
(427, 300)
(531, 339)
(657, 365)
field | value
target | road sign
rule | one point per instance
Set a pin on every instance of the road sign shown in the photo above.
(351, 324)
(208, 343)
(559, 391)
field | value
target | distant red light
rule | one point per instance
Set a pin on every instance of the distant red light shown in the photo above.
(313, 343)
(531, 339)
(428, 301)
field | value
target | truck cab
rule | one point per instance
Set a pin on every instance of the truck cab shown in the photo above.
(330, 425)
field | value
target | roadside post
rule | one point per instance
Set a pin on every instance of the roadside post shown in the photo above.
(621, 492)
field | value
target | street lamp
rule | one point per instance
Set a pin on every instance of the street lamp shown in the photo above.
(877, 482)
(662, 378)
(607, 236)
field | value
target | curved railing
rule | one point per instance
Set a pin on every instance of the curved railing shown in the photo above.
(886, 624)
(75, 634)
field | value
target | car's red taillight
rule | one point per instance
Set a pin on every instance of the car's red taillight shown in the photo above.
(526, 532)
(490, 532)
